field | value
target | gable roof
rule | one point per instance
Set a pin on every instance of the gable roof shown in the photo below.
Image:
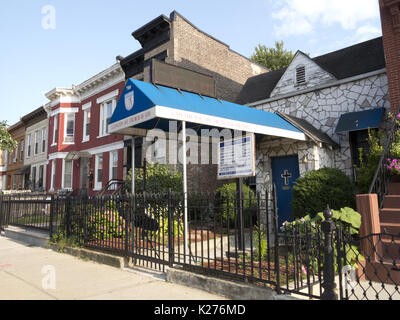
(344, 63)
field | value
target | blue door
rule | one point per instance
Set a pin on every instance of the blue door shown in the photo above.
(285, 171)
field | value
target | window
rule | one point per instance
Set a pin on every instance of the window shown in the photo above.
(86, 125)
(300, 75)
(113, 165)
(106, 111)
(44, 137)
(53, 174)
(41, 174)
(15, 154)
(21, 151)
(67, 174)
(69, 127)
(55, 130)
(99, 172)
(33, 178)
(36, 142)
(29, 145)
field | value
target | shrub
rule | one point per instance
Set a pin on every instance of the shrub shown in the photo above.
(159, 178)
(318, 188)
(225, 205)
(346, 217)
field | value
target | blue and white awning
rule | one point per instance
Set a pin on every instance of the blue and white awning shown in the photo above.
(144, 106)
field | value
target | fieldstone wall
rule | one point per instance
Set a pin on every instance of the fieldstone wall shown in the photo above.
(323, 108)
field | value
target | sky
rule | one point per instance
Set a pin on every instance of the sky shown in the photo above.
(48, 44)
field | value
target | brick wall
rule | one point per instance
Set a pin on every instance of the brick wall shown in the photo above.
(195, 50)
(390, 15)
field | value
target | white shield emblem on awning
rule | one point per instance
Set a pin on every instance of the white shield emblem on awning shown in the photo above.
(129, 100)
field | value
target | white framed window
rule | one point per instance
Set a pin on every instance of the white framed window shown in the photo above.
(99, 172)
(41, 177)
(55, 130)
(44, 139)
(86, 124)
(36, 142)
(113, 165)
(53, 174)
(69, 128)
(67, 175)
(106, 111)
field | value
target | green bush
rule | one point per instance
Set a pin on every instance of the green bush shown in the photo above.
(318, 188)
(367, 168)
(225, 205)
(159, 178)
(346, 217)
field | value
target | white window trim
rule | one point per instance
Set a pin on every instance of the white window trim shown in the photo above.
(108, 96)
(72, 175)
(37, 141)
(65, 129)
(98, 185)
(86, 138)
(44, 140)
(55, 121)
(102, 116)
(111, 163)
(53, 172)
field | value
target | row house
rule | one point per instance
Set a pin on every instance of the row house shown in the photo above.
(17, 175)
(35, 158)
(3, 169)
(81, 154)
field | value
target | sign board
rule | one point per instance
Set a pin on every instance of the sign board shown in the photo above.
(181, 78)
(237, 158)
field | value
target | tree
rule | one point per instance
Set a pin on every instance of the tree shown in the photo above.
(7, 143)
(273, 58)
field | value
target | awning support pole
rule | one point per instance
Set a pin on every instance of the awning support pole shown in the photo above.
(186, 234)
(133, 165)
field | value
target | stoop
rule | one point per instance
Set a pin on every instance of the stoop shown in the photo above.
(31, 237)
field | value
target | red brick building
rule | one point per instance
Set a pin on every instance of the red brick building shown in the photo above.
(82, 155)
(390, 19)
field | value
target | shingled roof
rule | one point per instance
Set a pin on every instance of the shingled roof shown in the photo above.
(345, 63)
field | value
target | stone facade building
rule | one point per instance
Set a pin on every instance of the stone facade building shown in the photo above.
(315, 95)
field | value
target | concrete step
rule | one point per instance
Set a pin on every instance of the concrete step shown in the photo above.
(30, 237)
(392, 228)
(389, 249)
(392, 202)
(394, 188)
(390, 215)
(384, 272)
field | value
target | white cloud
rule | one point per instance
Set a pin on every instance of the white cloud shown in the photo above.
(366, 32)
(298, 17)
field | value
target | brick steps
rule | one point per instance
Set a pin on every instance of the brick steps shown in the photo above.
(392, 201)
(389, 215)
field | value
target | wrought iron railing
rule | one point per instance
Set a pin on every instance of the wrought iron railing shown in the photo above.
(380, 182)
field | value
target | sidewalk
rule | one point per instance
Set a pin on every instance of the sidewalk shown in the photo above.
(24, 270)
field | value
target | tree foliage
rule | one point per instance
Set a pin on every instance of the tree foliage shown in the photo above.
(7, 143)
(273, 58)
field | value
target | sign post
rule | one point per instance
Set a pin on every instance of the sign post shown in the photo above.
(236, 160)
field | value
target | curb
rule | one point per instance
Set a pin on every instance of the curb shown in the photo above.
(99, 257)
(229, 289)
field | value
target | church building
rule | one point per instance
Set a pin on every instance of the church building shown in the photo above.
(333, 99)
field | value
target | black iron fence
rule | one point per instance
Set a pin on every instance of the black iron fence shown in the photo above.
(226, 235)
